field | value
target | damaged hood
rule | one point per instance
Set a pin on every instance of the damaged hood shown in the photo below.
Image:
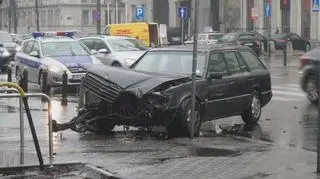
(132, 80)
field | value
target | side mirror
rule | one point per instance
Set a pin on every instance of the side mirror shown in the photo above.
(215, 75)
(34, 54)
(94, 51)
(103, 50)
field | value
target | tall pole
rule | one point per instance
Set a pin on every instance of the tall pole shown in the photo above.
(14, 11)
(194, 67)
(37, 15)
(108, 9)
(99, 19)
(117, 13)
(126, 9)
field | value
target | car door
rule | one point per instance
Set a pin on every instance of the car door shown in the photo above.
(28, 61)
(216, 90)
(104, 56)
(258, 78)
(35, 63)
(237, 83)
(297, 42)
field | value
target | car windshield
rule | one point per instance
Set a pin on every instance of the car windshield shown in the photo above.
(172, 62)
(120, 45)
(5, 37)
(279, 36)
(215, 36)
(229, 37)
(64, 48)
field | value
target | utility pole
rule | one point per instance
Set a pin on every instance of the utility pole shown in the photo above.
(99, 19)
(15, 19)
(37, 15)
(10, 16)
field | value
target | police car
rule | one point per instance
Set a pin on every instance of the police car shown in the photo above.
(54, 52)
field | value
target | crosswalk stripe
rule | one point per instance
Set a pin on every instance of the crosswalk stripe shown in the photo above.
(286, 88)
(287, 92)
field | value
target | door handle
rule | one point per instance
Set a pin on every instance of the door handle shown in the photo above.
(231, 83)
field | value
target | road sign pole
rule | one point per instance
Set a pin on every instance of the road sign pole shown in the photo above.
(194, 68)
(182, 31)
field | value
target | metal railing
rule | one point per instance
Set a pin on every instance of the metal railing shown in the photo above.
(17, 94)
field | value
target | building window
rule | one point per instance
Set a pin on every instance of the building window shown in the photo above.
(119, 16)
(107, 17)
(57, 17)
(133, 7)
(285, 15)
(250, 22)
(50, 18)
(85, 17)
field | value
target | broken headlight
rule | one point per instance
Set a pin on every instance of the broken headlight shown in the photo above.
(158, 99)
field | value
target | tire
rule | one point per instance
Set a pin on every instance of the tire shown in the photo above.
(180, 126)
(253, 113)
(40, 84)
(311, 90)
(116, 64)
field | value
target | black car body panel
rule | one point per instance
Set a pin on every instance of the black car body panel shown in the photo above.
(281, 40)
(137, 98)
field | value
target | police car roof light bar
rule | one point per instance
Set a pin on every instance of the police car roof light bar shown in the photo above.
(37, 34)
(68, 34)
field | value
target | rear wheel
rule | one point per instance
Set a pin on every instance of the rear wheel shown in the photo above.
(311, 89)
(253, 113)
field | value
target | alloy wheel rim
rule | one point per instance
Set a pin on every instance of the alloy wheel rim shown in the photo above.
(312, 91)
(255, 107)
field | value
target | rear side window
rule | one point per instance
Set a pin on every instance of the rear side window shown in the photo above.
(251, 60)
(232, 62)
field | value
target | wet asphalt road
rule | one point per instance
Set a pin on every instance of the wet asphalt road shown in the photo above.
(281, 145)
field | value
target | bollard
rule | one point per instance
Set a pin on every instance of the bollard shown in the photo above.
(44, 82)
(24, 82)
(64, 100)
(285, 56)
(9, 77)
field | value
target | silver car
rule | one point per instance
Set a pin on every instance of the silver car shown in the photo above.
(55, 55)
(115, 50)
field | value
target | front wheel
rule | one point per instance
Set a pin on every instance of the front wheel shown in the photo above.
(184, 125)
(253, 113)
(312, 91)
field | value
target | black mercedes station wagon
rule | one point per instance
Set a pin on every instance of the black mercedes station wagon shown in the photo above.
(156, 90)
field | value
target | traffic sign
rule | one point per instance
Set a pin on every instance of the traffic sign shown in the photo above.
(96, 15)
(254, 13)
(139, 13)
(267, 10)
(315, 5)
(182, 11)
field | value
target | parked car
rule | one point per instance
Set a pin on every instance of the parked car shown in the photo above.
(206, 38)
(55, 55)
(249, 39)
(290, 40)
(156, 90)
(115, 50)
(309, 74)
(8, 49)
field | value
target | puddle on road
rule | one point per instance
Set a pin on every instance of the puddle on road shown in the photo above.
(213, 152)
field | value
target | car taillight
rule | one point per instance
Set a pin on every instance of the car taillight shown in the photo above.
(258, 43)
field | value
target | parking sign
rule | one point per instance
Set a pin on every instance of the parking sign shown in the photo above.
(139, 13)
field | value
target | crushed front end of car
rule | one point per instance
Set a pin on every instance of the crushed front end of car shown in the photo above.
(104, 103)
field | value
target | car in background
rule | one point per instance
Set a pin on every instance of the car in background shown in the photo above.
(55, 53)
(117, 51)
(290, 40)
(8, 49)
(249, 39)
(156, 90)
(309, 74)
(206, 38)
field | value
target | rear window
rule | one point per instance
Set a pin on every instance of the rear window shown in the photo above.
(247, 36)
(215, 36)
(229, 37)
(279, 36)
(202, 37)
